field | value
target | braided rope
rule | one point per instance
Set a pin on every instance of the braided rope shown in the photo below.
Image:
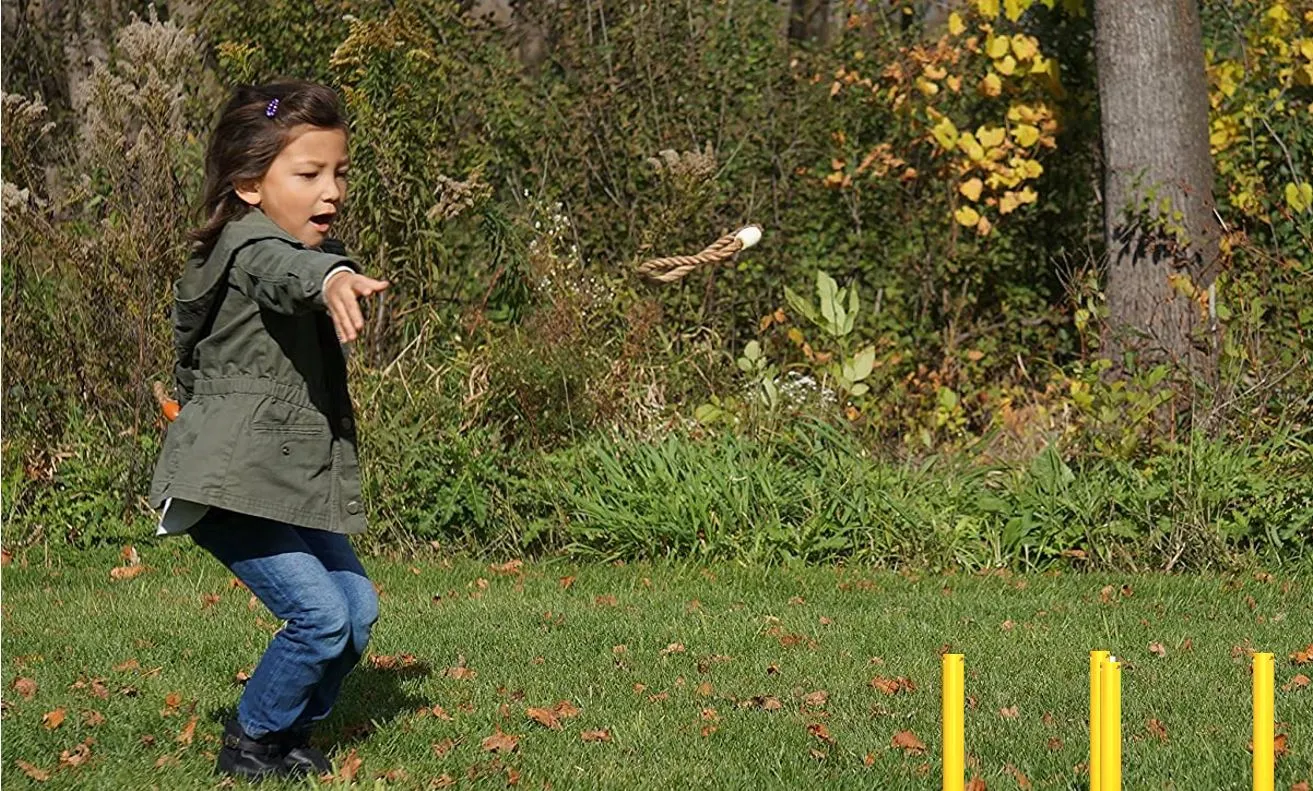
(676, 267)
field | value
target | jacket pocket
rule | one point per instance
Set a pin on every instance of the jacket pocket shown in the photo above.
(274, 415)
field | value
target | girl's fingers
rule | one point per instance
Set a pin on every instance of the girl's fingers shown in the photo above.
(335, 312)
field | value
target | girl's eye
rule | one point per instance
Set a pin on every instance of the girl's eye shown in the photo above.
(308, 175)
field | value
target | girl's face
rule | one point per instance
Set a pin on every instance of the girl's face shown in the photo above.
(305, 185)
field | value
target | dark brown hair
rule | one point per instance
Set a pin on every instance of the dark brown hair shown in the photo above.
(249, 137)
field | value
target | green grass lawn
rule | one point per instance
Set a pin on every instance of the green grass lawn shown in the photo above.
(701, 677)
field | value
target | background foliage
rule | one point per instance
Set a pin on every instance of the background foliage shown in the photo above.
(930, 389)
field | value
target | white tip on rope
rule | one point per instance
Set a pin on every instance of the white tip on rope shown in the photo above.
(749, 235)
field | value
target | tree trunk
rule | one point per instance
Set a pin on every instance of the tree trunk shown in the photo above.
(1160, 224)
(809, 20)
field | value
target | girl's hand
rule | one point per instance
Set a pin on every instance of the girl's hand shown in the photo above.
(341, 295)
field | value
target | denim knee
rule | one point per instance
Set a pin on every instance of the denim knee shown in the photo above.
(326, 628)
(363, 603)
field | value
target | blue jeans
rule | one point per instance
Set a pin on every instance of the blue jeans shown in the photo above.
(313, 581)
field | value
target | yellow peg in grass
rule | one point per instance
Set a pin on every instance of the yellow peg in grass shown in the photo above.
(953, 723)
(1264, 723)
(1097, 660)
(1110, 735)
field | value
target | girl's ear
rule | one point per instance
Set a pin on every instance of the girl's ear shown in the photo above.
(249, 192)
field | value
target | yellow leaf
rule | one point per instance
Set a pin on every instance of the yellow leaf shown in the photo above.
(984, 226)
(954, 83)
(1027, 195)
(1299, 196)
(927, 87)
(955, 24)
(988, 8)
(1006, 66)
(1306, 48)
(934, 72)
(996, 46)
(1015, 8)
(971, 188)
(1031, 169)
(945, 133)
(990, 137)
(991, 85)
(966, 216)
(973, 150)
(1024, 47)
(1008, 203)
(1025, 134)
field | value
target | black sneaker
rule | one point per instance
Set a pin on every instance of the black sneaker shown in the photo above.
(253, 759)
(301, 758)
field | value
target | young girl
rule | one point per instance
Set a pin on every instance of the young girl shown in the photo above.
(260, 465)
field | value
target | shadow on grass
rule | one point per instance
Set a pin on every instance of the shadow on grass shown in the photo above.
(371, 697)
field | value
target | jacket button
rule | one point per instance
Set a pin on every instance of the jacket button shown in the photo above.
(286, 450)
(348, 424)
(353, 507)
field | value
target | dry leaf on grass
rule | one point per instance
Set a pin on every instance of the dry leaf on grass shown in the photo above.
(1023, 782)
(1157, 730)
(443, 747)
(25, 687)
(975, 784)
(601, 735)
(91, 718)
(77, 755)
(565, 709)
(1157, 648)
(1298, 682)
(347, 769)
(39, 775)
(53, 719)
(501, 742)
(907, 742)
(1010, 712)
(545, 717)
(815, 699)
(188, 732)
(821, 732)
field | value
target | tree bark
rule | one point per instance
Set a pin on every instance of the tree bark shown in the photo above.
(809, 20)
(1160, 222)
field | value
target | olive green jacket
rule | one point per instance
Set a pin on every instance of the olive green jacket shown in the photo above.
(266, 426)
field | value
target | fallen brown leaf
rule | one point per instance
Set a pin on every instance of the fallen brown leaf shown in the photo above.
(443, 747)
(1304, 656)
(1010, 712)
(125, 572)
(868, 759)
(39, 775)
(817, 754)
(25, 687)
(53, 719)
(704, 689)
(209, 600)
(975, 784)
(566, 582)
(501, 742)
(1298, 682)
(460, 673)
(1280, 748)
(815, 699)
(1157, 730)
(77, 755)
(188, 732)
(130, 664)
(509, 567)
(1023, 782)
(821, 732)
(443, 781)
(607, 600)
(91, 718)
(907, 742)
(1157, 648)
(1302, 785)
(545, 717)
(349, 766)
(601, 735)
(673, 648)
(565, 709)
(1054, 744)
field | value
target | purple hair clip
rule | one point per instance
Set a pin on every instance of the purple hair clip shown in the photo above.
(272, 109)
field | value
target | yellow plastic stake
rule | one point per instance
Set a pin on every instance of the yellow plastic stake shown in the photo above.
(1264, 723)
(954, 725)
(1097, 660)
(1110, 735)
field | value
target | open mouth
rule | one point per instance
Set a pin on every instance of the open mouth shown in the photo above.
(321, 222)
